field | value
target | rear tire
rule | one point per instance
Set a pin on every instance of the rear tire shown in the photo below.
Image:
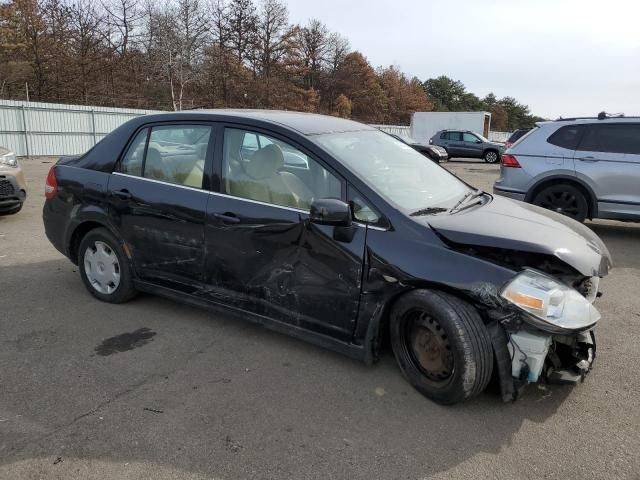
(564, 199)
(491, 156)
(441, 345)
(104, 268)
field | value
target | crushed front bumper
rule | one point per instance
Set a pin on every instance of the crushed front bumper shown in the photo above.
(11, 193)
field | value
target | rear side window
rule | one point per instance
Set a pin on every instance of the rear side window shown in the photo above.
(567, 137)
(457, 136)
(613, 138)
(173, 154)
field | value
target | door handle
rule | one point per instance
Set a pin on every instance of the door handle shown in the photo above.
(227, 217)
(588, 159)
(122, 194)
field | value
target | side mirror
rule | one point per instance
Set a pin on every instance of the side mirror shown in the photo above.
(330, 211)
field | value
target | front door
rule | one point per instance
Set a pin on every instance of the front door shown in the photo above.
(264, 256)
(471, 145)
(158, 203)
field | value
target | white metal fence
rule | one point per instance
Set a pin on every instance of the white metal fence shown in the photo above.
(499, 136)
(33, 128)
(395, 129)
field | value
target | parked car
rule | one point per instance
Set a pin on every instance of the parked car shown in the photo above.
(459, 143)
(582, 168)
(515, 136)
(361, 242)
(433, 152)
(13, 187)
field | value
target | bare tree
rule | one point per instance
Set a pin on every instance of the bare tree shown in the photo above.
(179, 34)
(242, 28)
(85, 42)
(312, 41)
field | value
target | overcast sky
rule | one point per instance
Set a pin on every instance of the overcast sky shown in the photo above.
(560, 57)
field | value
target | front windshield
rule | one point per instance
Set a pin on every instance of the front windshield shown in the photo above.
(404, 177)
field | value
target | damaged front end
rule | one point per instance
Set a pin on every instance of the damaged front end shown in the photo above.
(542, 330)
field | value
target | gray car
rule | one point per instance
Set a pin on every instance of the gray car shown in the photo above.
(582, 168)
(463, 143)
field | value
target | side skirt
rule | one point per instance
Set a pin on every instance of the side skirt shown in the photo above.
(356, 352)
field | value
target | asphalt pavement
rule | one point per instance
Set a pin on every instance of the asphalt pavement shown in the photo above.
(153, 389)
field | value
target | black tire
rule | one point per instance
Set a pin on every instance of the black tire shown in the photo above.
(491, 156)
(13, 211)
(564, 199)
(459, 361)
(125, 290)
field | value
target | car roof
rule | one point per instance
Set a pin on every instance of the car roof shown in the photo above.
(302, 122)
(618, 119)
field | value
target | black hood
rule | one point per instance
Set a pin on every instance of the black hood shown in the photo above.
(508, 224)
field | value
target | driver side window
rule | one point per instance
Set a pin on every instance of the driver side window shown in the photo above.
(469, 137)
(267, 169)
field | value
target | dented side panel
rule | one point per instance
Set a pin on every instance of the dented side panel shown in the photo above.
(275, 263)
(163, 227)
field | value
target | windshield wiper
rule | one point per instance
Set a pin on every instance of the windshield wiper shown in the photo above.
(427, 211)
(467, 196)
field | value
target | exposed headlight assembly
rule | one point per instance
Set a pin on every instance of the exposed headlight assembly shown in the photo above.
(9, 159)
(550, 305)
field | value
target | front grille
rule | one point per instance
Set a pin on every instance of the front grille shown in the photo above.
(6, 188)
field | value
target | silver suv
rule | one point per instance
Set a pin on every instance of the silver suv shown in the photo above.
(580, 167)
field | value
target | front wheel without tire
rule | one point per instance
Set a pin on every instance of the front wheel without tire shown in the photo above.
(104, 268)
(564, 199)
(441, 345)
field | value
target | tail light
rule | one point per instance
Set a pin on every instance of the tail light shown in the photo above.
(51, 185)
(509, 161)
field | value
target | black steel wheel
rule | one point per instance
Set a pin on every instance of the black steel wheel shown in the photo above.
(564, 199)
(441, 345)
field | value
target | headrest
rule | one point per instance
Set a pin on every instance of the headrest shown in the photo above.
(265, 162)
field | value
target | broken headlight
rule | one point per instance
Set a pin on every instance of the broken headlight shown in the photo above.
(550, 304)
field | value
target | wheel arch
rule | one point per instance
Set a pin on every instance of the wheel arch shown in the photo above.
(379, 329)
(80, 230)
(592, 201)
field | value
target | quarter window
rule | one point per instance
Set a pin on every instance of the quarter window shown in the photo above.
(132, 162)
(566, 137)
(275, 172)
(173, 154)
(613, 138)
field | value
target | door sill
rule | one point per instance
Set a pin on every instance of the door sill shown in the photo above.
(356, 352)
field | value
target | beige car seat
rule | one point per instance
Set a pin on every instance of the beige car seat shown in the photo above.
(262, 180)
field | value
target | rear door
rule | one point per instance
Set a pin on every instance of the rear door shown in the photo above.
(158, 199)
(608, 158)
(264, 256)
(453, 144)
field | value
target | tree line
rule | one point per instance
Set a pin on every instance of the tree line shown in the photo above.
(184, 54)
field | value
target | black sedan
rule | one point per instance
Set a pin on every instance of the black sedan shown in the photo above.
(433, 152)
(333, 232)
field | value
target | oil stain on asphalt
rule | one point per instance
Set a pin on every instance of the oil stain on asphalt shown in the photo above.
(125, 342)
